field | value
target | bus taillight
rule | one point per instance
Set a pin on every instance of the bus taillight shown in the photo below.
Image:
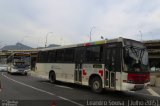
(130, 78)
(148, 77)
(138, 78)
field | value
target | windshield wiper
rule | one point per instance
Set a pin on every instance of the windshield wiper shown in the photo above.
(141, 54)
(138, 53)
(134, 51)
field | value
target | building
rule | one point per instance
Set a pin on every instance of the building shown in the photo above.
(6, 51)
(153, 47)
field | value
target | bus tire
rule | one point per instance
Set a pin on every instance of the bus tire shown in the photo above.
(25, 74)
(96, 85)
(52, 77)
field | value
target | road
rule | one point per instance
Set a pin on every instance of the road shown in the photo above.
(31, 91)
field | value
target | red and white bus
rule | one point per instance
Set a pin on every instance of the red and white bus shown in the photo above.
(119, 64)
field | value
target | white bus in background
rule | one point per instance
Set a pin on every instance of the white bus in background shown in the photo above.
(118, 64)
(19, 63)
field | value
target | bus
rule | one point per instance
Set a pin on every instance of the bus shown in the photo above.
(19, 63)
(119, 64)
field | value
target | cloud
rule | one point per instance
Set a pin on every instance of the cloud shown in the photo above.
(123, 20)
(71, 20)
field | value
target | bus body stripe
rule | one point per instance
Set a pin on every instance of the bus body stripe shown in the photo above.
(84, 72)
(101, 73)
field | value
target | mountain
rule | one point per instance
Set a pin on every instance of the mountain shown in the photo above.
(53, 45)
(18, 46)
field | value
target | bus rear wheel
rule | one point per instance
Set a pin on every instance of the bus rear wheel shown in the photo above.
(96, 85)
(52, 77)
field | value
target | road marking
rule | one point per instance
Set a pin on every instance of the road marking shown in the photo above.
(153, 92)
(41, 90)
(69, 100)
(58, 85)
(144, 94)
(134, 92)
(28, 85)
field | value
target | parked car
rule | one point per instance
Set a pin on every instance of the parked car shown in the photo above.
(3, 68)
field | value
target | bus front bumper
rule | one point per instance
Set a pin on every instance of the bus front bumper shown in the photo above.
(134, 87)
(18, 71)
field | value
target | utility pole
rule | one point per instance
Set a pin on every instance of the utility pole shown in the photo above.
(141, 35)
(90, 37)
(47, 38)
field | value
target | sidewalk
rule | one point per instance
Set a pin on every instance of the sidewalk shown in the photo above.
(155, 79)
(155, 92)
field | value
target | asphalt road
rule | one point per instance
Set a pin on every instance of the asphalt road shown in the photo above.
(31, 91)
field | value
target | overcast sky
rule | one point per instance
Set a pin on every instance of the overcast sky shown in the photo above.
(70, 21)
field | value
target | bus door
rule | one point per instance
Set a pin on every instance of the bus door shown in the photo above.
(79, 57)
(110, 72)
(113, 67)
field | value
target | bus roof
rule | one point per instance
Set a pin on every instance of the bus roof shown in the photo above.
(120, 39)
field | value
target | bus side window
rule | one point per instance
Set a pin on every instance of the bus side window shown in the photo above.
(51, 56)
(43, 57)
(113, 55)
(113, 59)
(94, 54)
(107, 59)
(80, 54)
(69, 55)
(60, 56)
(118, 59)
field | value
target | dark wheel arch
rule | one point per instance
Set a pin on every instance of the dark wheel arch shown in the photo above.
(95, 83)
(52, 76)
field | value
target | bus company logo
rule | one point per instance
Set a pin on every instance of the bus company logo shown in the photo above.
(52, 67)
(55, 67)
(87, 66)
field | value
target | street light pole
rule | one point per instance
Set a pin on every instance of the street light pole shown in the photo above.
(46, 38)
(141, 35)
(90, 39)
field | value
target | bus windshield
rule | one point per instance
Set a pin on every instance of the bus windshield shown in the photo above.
(20, 65)
(21, 60)
(135, 59)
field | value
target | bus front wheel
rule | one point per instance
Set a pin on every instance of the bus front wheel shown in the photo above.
(96, 85)
(25, 74)
(52, 77)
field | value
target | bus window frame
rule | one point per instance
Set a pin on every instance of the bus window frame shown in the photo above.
(43, 60)
(101, 50)
(114, 46)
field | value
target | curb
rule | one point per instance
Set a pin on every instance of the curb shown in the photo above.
(157, 83)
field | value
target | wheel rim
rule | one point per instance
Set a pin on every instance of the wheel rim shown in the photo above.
(96, 85)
